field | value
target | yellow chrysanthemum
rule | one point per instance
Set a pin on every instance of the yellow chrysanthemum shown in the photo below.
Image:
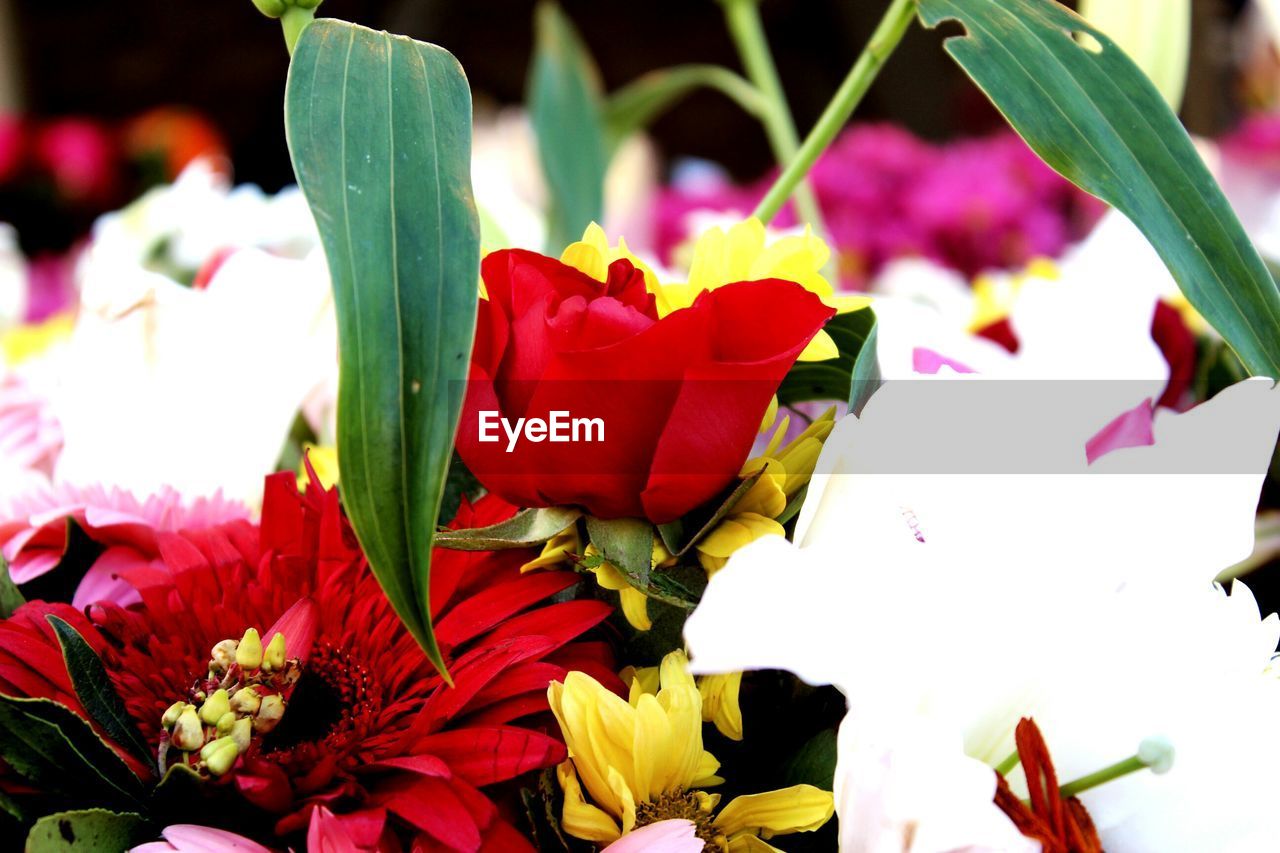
(28, 341)
(719, 696)
(720, 257)
(642, 761)
(324, 460)
(786, 471)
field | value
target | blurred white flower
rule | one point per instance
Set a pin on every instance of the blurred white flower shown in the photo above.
(205, 324)
(959, 564)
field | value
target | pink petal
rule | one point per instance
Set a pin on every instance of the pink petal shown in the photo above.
(103, 581)
(298, 624)
(924, 360)
(665, 836)
(1131, 429)
(190, 838)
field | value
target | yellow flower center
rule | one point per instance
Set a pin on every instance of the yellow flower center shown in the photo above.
(683, 805)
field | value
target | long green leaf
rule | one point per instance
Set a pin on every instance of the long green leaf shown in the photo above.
(11, 598)
(1090, 113)
(94, 690)
(379, 128)
(627, 543)
(89, 830)
(565, 105)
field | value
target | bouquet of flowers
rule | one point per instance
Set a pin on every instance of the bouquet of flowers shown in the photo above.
(573, 547)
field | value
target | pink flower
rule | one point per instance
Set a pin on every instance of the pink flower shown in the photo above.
(34, 534)
(189, 838)
(665, 836)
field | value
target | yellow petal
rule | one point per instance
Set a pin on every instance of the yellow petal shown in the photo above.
(324, 460)
(821, 348)
(635, 607)
(770, 415)
(766, 496)
(847, 303)
(579, 818)
(1156, 34)
(800, 808)
(558, 549)
(641, 679)
(625, 795)
(736, 531)
(720, 703)
(30, 340)
(587, 259)
(748, 843)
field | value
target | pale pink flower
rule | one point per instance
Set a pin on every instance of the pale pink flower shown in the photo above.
(190, 838)
(665, 836)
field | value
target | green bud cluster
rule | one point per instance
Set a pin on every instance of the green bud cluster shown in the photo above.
(241, 697)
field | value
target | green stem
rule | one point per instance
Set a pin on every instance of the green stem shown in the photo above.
(293, 22)
(1004, 768)
(897, 18)
(743, 20)
(1132, 764)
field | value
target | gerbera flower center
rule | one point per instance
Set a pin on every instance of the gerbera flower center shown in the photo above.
(683, 805)
(332, 705)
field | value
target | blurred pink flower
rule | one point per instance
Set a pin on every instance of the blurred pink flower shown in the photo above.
(129, 532)
(665, 836)
(81, 157)
(189, 838)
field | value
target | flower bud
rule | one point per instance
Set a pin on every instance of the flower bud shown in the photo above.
(270, 8)
(222, 656)
(241, 732)
(225, 722)
(214, 707)
(246, 700)
(274, 656)
(218, 755)
(249, 652)
(188, 732)
(171, 715)
(269, 713)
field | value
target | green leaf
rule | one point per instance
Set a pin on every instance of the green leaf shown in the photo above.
(11, 597)
(564, 99)
(90, 830)
(814, 763)
(830, 379)
(722, 511)
(1093, 116)
(627, 543)
(94, 689)
(379, 129)
(54, 748)
(866, 373)
(525, 529)
(641, 101)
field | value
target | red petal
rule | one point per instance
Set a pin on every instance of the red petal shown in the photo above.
(434, 807)
(482, 611)
(560, 622)
(483, 756)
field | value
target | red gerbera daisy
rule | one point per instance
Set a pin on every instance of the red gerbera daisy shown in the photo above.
(340, 727)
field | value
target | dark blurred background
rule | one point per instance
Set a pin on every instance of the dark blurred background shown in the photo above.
(112, 60)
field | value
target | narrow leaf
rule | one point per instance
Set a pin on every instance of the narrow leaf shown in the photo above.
(523, 530)
(640, 102)
(564, 100)
(379, 129)
(56, 750)
(11, 597)
(627, 543)
(94, 690)
(1093, 116)
(89, 830)
(866, 373)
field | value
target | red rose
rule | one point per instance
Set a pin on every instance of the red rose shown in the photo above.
(679, 399)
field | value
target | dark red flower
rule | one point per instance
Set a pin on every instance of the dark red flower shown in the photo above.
(371, 746)
(680, 397)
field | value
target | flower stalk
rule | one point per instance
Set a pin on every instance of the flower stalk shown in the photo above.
(743, 20)
(888, 33)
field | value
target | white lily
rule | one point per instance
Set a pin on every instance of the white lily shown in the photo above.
(951, 580)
